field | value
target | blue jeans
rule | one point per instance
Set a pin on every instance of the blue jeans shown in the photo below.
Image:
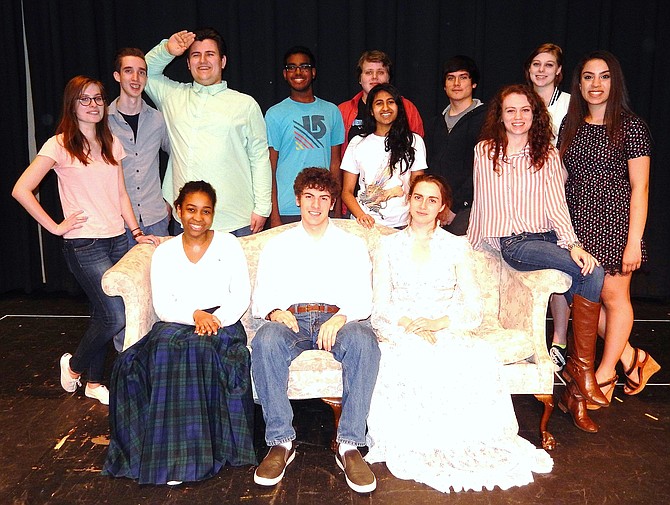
(88, 259)
(159, 229)
(536, 251)
(275, 346)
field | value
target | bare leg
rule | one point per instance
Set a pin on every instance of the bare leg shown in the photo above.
(560, 312)
(618, 313)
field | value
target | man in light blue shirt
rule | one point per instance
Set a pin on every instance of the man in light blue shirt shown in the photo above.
(142, 132)
(216, 134)
(303, 131)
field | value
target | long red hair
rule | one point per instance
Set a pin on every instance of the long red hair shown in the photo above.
(74, 140)
(539, 136)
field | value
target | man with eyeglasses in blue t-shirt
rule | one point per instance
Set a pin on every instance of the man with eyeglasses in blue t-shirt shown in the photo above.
(303, 131)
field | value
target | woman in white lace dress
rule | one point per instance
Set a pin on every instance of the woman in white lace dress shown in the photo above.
(441, 413)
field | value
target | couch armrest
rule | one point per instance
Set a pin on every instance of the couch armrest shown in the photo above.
(523, 302)
(130, 279)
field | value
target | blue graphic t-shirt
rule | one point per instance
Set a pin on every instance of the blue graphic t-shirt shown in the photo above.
(302, 134)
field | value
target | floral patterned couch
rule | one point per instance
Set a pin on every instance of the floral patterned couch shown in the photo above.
(514, 319)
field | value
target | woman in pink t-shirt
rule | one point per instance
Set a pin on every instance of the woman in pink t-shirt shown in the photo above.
(87, 160)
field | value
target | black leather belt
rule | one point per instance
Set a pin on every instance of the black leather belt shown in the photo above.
(301, 308)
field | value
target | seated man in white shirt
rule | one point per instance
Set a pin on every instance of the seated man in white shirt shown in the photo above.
(314, 300)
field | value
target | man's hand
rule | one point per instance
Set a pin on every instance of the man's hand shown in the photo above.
(286, 318)
(206, 323)
(257, 222)
(328, 332)
(179, 42)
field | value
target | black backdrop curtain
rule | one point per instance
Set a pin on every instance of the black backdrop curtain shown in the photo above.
(20, 266)
(69, 37)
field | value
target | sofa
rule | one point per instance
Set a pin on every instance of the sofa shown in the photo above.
(514, 319)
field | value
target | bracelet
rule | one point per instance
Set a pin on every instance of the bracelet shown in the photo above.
(134, 229)
(269, 316)
(138, 234)
(576, 244)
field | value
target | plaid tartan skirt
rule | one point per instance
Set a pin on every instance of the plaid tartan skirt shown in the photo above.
(181, 405)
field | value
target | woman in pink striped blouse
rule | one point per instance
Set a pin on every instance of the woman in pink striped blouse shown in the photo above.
(519, 208)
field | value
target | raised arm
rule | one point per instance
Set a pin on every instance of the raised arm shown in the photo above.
(158, 85)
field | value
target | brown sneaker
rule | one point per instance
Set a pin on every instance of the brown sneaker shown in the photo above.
(272, 468)
(356, 471)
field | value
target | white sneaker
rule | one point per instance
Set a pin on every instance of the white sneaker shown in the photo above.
(173, 482)
(101, 393)
(69, 384)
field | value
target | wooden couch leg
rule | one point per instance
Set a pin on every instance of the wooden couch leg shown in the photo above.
(548, 441)
(336, 405)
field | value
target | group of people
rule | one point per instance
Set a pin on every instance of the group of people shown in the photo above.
(547, 191)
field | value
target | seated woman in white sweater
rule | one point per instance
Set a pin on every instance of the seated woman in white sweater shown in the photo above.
(181, 404)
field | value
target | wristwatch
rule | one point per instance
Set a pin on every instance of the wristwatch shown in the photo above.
(576, 244)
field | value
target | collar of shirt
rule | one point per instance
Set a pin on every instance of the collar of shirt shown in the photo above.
(113, 110)
(307, 236)
(408, 234)
(510, 159)
(212, 89)
(554, 97)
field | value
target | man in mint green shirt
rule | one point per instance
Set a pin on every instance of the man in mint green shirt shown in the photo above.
(216, 134)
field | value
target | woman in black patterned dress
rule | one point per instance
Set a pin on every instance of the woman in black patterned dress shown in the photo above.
(606, 149)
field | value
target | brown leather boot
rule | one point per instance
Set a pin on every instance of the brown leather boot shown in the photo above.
(582, 350)
(572, 401)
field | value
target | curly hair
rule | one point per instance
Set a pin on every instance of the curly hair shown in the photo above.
(400, 138)
(618, 105)
(195, 187)
(317, 178)
(539, 136)
(74, 141)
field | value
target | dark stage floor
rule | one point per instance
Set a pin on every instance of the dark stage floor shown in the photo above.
(52, 445)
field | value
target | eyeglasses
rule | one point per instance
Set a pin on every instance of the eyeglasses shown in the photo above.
(86, 100)
(292, 67)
